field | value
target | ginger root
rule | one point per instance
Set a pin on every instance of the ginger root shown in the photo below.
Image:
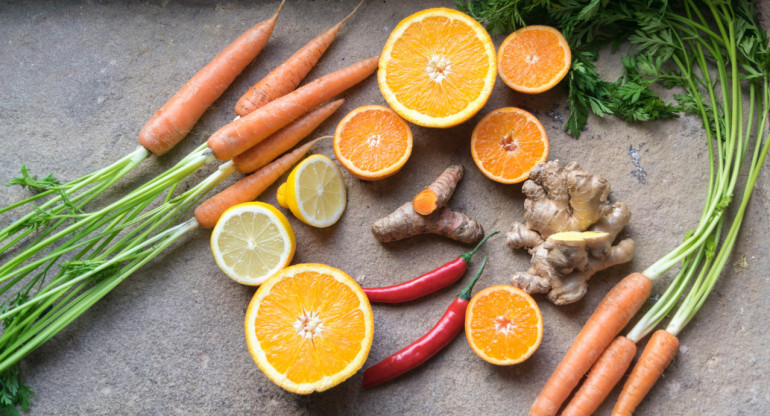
(438, 193)
(561, 204)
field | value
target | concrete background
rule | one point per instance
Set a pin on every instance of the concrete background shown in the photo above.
(78, 80)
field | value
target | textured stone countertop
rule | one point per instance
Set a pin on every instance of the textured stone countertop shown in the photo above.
(78, 80)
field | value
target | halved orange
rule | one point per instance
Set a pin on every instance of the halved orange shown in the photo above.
(309, 327)
(437, 68)
(372, 142)
(507, 143)
(533, 59)
(503, 325)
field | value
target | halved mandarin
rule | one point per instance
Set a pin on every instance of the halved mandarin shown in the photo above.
(507, 143)
(503, 325)
(372, 142)
(534, 59)
(437, 68)
(309, 327)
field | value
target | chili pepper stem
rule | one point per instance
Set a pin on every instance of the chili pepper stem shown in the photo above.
(467, 256)
(466, 293)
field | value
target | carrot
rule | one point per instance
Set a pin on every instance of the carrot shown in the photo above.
(264, 152)
(657, 355)
(169, 125)
(236, 137)
(603, 377)
(250, 187)
(285, 78)
(612, 314)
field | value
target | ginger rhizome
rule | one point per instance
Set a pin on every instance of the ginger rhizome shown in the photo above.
(570, 227)
(428, 214)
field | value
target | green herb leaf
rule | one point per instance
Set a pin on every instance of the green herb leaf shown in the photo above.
(32, 182)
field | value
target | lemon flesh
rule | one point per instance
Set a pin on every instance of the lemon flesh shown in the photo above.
(252, 242)
(315, 192)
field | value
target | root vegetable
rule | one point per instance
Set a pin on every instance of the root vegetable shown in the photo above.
(405, 222)
(438, 193)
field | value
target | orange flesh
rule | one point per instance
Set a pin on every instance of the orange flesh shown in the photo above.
(310, 326)
(434, 76)
(374, 140)
(509, 144)
(533, 58)
(504, 326)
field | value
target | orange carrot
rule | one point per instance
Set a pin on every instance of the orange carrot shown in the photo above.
(285, 78)
(264, 152)
(612, 314)
(604, 375)
(236, 137)
(657, 355)
(250, 187)
(169, 125)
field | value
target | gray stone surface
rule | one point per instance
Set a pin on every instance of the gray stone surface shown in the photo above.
(78, 80)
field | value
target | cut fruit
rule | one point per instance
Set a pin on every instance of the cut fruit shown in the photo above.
(503, 325)
(437, 68)
(534, 59)
(314, 192)
(309, 327)
(507, 143)
(372, 142)
(251, 242)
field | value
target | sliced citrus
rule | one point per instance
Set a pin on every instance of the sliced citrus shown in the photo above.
(252, 241)
(314, 192)
(372, 142)
(309, 327)
(533, 59)
(503, 325)
(437, 68)
(507, 143)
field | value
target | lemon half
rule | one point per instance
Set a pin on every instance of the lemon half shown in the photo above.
(252, 242)
(314, 192)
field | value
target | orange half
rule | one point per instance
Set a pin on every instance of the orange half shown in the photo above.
(507, 143)
(533, 59)
(503, 325)
(309, 327)
(372, 142)
(437, 68)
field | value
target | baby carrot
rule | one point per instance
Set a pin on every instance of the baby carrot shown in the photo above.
(657, 355)
(603, 377)
(169, 125)
(285, 78)
(250, 187)
(612, 314)
(264, 152)
(236, 137)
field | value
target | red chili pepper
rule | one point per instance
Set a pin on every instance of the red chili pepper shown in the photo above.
(427, 283)
(427, 345)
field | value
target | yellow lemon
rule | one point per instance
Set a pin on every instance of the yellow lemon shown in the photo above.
(314, 192)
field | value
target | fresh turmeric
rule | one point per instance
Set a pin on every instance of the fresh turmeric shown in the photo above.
(438, 193)
(405, 222)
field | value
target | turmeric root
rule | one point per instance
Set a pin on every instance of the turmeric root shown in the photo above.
(438, 193)
(405, 222)
(561, 204)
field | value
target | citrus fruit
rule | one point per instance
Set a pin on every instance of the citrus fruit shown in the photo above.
(507, 143)
(251, 242)
(503, 325)
(314, 192)
(309, 327)
(437, 68)
(533, 59)
(372, 142)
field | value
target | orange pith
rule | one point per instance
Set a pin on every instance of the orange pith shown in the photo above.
(309, 328)
(372, 142)
(507, 143)
(437, 68)
(533, 59)
(503, 325)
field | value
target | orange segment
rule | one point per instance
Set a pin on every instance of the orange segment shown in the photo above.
(372, 142)
(534, 59)
(309, 327)
(507, 143)
(503, 325)
(437, 68)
